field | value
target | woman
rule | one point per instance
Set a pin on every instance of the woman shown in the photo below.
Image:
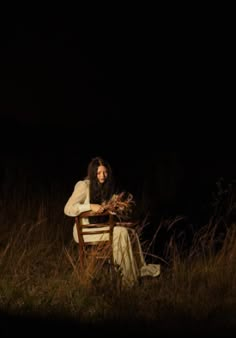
(91, 194)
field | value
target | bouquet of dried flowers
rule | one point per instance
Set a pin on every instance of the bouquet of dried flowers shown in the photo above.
(121, 205)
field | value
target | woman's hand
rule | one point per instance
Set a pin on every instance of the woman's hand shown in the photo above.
(97, 208)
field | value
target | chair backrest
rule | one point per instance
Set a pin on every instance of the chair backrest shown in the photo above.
(95, 235)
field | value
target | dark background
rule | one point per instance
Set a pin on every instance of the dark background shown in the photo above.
(155, 98)
(150, 90)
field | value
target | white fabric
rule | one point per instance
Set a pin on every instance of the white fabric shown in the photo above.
(127, 251)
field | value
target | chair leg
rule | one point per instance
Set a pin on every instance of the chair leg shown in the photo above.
(116, 278)
(112, 274)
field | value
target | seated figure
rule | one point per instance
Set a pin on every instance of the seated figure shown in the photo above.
(96, 193)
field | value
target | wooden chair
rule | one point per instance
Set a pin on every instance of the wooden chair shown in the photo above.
(96, 250)
(100, 252)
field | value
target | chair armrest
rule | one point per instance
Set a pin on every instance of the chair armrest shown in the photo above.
(92, 213)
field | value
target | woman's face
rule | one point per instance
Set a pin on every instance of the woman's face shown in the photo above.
(102, 174)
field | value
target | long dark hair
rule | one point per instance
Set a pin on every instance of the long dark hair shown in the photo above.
(100, 192)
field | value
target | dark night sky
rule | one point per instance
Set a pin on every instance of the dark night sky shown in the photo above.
(155, 100)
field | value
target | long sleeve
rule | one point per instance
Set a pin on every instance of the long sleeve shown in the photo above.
(79, 200)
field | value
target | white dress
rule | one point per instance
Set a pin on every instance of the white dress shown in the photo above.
(131, 261)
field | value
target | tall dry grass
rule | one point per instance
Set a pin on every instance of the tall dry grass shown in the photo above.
(39, 270)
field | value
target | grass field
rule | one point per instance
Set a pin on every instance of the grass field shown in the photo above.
(41, 284)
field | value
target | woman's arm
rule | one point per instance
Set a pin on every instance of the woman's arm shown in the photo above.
(76, 203)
